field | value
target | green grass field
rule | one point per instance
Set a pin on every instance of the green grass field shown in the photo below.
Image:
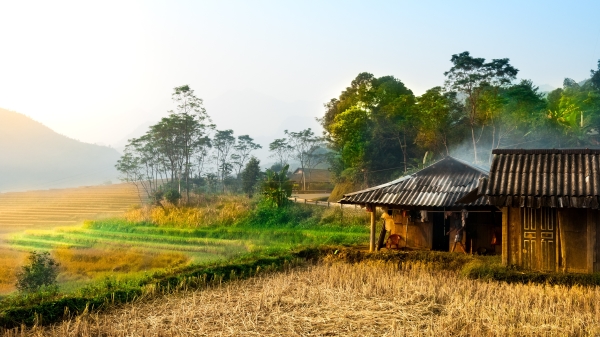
(155, 239)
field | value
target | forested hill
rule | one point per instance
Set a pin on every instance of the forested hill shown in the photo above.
(32, 156)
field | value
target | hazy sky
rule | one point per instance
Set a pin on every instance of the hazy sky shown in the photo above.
(95, 71)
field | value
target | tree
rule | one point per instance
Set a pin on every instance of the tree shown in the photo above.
(393, 114)
(522, 116)
(574, 114)
(350, 129)
(172, 196)
(370, 128)
(172, 149)
(280, 149)
(595, 77)
(471, 76)
(41, 271)
(250, 176)
(303, 144)
(440, 117)
(130, 170)
(276, 187)
(223, 143)
(192, 124)
(245, 145)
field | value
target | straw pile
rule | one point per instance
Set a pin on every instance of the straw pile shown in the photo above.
(340, 299)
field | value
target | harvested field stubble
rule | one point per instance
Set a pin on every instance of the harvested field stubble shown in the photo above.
(370, 298)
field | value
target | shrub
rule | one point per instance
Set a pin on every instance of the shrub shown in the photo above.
(172, 196)
(41, 271)
(277, 188)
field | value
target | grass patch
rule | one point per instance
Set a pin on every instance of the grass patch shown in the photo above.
(47, 307)
(148, 244)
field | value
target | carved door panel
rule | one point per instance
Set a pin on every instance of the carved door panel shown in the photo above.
(539, 238)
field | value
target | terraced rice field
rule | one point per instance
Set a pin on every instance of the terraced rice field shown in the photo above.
(111, 244)
(63, 207)
(139, 237)
(24, 216)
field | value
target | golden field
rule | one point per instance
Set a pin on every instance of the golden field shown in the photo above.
(45, 209)
(339, 299)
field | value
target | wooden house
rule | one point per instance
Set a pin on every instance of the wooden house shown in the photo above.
(549, 201)
(316, 179)
(423, 208)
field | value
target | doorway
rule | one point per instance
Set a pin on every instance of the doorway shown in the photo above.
(440, 240)
(539, 238)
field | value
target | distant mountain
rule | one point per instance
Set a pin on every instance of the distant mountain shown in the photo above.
(32, 156)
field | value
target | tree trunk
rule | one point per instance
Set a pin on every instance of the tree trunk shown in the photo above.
(474, 144)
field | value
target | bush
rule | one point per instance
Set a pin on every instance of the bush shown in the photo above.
(172, 196)
(40, 272)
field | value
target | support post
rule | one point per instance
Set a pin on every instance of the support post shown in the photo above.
(505, 238)
(373, 225)
(591, 240)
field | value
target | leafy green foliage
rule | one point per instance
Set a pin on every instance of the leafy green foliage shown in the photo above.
(378, 130)
(173, 149)
(41, 271)
(250, 176)
(479, 82)
(370, 127)
(277, 187)
(172, 196)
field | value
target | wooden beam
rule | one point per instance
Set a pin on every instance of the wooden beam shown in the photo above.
(591, 239)
(373, 229)
(505, 237)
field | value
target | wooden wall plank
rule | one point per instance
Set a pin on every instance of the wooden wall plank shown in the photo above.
(515, 237)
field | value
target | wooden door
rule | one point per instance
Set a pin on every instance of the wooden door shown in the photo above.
(539, 238)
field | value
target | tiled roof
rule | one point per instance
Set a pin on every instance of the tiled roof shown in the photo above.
(312, 175)
(545, 178)
(439, 185)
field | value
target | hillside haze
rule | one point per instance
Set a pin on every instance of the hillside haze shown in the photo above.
(32, 156)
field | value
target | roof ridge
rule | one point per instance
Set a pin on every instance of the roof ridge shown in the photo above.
(547, 151)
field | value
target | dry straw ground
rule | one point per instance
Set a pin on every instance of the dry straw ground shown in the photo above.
(339, 299)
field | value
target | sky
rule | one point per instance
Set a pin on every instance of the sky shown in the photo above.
(96, 71)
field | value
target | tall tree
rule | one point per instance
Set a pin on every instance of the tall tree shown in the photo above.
(371, 128)
(471, 76)
(242, 150)
(223, 143)
(440, 116)
(302, 143)
(167, 151)
(281, 150)
(193, 124)
(250, 176)
(595, 77)
(522, 115)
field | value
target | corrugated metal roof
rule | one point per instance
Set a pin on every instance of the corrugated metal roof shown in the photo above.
(439, 185)
(545, 178)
